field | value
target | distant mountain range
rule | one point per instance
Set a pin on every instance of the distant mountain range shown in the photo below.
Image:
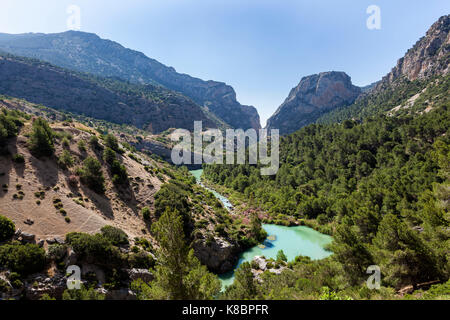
(150, 107)
(86, 52)
(125, 86)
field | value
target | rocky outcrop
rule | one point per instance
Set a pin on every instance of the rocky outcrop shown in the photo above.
(261, 264)
(87, 52)
(41, 284)
(314, 95)
(143, 274)
(428, 57)
(218, 255)
(24, 237)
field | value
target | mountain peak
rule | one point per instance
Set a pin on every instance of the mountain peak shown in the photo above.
(314, 95)
(428, 57)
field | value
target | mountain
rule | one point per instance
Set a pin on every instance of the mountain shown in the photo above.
(412, 79)
(76, 191)
(150, 107)
(430, 56)
(314, 95)
(379, 185)
(87, 52)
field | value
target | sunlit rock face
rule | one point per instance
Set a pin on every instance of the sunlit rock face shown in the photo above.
(314, 95)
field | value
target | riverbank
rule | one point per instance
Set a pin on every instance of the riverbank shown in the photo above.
(293, 239)
(242, 207)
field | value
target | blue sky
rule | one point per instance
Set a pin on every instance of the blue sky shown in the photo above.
(260, 47)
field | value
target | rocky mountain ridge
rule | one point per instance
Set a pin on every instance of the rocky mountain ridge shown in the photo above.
(87, 52)
(430, 56)
(148, 107)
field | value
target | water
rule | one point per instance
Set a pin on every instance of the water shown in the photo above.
(226, 203)
(294, 241)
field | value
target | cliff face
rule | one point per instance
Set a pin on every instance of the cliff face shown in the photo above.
(314, 95)
(87, 52)
(428, 57)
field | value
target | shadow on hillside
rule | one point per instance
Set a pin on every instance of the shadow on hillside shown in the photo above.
(13, 150)
(101, 202)
(5, 169)
(46, 171)
(7, 164)
(126, 194)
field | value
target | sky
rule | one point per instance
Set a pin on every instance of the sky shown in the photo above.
(260, 47)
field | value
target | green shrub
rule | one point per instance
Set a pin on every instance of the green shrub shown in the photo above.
(92, 175)
(18, 158)
(146, 213)
(7, 228)
(9, 127)
(93, 142)
(220, 229)
(94, 249)
(119, 172)
(109, 155)
(172, 196)
(57, 252)
(65, 160)
(41, 139)
(24, 259)
(83, 294)
(281, 257)
(82, 146)
(141, 260)
(4, 287)
(115, 235)
(111, 142)
(65, 142)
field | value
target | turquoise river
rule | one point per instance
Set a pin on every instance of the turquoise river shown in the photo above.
(294, 241)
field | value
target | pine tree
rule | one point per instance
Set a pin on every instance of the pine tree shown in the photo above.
(41, 139)
(179, 274)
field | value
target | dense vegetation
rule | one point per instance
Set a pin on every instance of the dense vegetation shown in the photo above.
(91, 174)
(41, 142)
(380, 187)
(10, 122)
(7, 228)
(179, 275)
(386, 98)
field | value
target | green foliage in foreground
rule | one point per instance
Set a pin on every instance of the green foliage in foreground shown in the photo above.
(7, 228)
(178, 273)
(115, 235)
(24, 259)
(83, 294)
(97, 249)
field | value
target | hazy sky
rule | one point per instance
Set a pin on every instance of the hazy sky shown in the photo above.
(260, 47)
